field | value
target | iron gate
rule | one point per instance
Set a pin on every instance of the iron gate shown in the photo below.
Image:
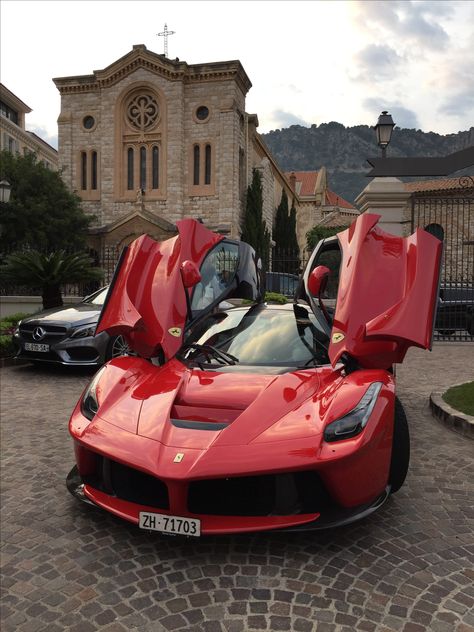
(453, 210)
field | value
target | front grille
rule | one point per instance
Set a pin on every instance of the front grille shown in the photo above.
(272, 494)
(128, 484)
(53, 335)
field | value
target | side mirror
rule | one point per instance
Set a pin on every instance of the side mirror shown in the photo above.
(190, 274)
(318, 280)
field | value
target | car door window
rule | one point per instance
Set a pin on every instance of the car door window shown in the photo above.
(330, 256)
(217, 275)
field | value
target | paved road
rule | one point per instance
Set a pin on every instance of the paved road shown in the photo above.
(408, 568)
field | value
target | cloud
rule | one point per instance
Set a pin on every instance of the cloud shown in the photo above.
(51, 139)
(415, 23)
(402, 116)
(285, 119)
(377, 62)
(459, 104)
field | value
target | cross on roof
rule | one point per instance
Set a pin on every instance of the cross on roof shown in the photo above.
(165, 34)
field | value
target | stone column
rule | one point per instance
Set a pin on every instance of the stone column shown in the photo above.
(387, 197)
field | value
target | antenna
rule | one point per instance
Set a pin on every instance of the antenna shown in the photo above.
(165, 34)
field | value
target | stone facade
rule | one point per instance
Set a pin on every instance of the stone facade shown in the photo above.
(192, 116)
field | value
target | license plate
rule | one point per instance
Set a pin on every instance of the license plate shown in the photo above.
(33, 346)
(175, 525)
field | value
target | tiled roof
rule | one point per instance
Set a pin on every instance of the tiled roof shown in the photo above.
(332, 199)
(307, 179)
(434, 185)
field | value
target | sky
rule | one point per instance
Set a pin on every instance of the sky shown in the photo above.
(310, 62)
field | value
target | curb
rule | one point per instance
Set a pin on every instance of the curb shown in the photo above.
(455, 420)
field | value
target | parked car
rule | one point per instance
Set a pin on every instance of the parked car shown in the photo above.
(65, 335)
(282, 283)
(256, 417)
(455, 308)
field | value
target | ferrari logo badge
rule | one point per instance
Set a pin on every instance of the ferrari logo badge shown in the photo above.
(337, 337)
(178, 458)
(175, 331)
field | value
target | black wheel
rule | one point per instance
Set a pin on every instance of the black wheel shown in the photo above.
(400, 449)
(117, 347)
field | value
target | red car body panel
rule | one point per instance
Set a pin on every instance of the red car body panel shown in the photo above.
(148, 299)
(386, 299)
(263, 436)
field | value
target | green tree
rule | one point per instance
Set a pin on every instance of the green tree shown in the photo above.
(254, 229)
(285, 255)
(49, 272)
(42, 212)
(317, 233)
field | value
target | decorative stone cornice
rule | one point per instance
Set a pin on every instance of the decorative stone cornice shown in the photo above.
(141, 57)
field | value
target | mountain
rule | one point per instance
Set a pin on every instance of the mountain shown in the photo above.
(344, 150)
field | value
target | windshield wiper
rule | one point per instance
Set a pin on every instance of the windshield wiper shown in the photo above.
(209, 351)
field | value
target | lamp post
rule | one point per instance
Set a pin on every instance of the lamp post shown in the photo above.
(383, 131)
(5, 190)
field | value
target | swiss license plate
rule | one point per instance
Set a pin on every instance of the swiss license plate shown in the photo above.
(34, 346)
(175, 525)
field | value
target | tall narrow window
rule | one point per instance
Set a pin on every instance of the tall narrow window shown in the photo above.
(155, 166)
(143, 168)
(83, 170)
(207, 165)
(196, 164)
(130, 169)
(94, 170)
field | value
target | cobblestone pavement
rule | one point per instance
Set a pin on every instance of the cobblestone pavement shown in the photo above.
(66, 566)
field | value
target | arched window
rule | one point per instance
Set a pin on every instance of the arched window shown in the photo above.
(196, 165)
(142, 133)
(83, 170)
(143, 168)
(88, 174)
(155, 167)
(207, 166)
(202, 179)
(94, 171)
(130, 167)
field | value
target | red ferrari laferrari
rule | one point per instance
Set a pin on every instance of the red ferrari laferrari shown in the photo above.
(254, 417)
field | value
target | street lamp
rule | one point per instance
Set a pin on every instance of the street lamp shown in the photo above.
(5, 190)
(383, 130)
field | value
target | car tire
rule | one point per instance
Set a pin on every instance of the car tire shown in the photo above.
(400, 449)
(117, 347)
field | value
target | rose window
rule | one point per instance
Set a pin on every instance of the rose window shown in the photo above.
(143, 112)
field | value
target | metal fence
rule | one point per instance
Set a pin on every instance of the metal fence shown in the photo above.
(452, 213)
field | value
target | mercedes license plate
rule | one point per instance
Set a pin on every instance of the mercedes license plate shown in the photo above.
(175, 525)
(34, 346)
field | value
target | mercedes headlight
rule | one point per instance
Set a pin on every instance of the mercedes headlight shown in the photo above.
(355, 421)
(84, 332)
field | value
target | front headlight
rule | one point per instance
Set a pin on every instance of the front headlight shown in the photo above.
(90, 402)
(354, 422)
(84, 332)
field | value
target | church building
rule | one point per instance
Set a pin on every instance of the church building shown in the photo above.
(150, 140)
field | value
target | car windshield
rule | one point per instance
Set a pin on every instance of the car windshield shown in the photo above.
(98, 298)
(261, 336)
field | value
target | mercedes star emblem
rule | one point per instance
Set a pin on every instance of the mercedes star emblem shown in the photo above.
(39, 333)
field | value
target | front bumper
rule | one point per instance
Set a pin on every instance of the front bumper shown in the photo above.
(88, 351)
(334, 516)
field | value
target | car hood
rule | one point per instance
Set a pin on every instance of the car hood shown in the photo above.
(71, 315)
(386, 300)
(184, 407)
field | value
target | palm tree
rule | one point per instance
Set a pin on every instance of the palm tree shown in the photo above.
(49, 271)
